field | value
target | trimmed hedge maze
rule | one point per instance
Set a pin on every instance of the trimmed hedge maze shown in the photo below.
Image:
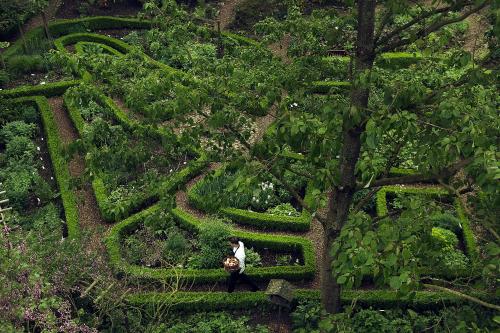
(78, 32)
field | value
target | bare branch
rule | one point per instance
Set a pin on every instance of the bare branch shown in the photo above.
(429, 29)
(419, 178)
(462, 295)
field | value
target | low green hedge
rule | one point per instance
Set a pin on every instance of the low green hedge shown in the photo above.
(61, 27)
(186, 301)
(189, 222)
(242, 40)
(471, 249)
(59, 164)
(47, 90)
(397, 60)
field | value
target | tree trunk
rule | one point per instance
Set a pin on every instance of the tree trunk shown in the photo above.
(341, 195)
(21, 31)
(46, 26)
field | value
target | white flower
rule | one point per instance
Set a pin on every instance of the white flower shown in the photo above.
(51, 178)
(43, 168)
(257, 200)
(295, 104)
(43, 82)
(32, 74)
(269, 196)
(289, 213)
(184, 162)
(41, 158)
(38, 148)
(336, 28)
(42, 139)
(46, 76)
(1, 89)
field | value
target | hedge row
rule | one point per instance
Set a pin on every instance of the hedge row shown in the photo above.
(112, 43)
(61, 27)
(100, 192)
(186, 301)
(47, 90)
(471, 249)
(189, 222)
(59, 163)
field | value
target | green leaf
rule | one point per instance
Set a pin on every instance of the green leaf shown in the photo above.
(395, 282)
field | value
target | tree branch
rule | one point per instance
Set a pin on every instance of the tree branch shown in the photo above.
(419, 178)
(416, 20)
(465, 296)
(433, 27)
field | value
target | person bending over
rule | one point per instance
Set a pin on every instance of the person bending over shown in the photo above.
(239, 252)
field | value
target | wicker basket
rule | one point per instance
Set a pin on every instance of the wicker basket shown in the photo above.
(231, 264)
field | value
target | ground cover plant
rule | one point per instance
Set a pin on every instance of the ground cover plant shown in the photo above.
(351, 146)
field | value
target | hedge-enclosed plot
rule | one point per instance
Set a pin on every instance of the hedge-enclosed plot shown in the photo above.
(60, 167)
(192, 224)
(172, 183)
(470, 245)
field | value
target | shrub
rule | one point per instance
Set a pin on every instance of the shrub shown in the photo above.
(20, 149)
(176, 246)
(447, 221)
(453, 261)
(284, 209)
(252, 259)
(444, 237)
(306, 317)
(17, 128)
(213, 240)
(250, 12)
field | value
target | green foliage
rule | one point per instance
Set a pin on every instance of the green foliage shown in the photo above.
(253, 258)
(447, 221)
(284, 209)
(23, 64)
(444, 237)
(306, 317)
(213, 241)
(213, 322)
(4, 78)
(17, 128)
(250, 12)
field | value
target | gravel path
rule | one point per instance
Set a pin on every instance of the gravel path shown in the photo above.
(88, 212)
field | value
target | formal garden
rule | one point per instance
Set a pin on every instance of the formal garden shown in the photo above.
(352, 146)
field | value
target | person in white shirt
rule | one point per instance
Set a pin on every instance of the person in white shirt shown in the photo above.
(239, 252)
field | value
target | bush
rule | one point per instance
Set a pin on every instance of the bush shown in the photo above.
(20, 149)
(285, 209)
(306, 317)
(453, 261)
(447, 221)
(213, 240)
(444, 237)
(176, 246)
(17, 128)
(252, 259)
